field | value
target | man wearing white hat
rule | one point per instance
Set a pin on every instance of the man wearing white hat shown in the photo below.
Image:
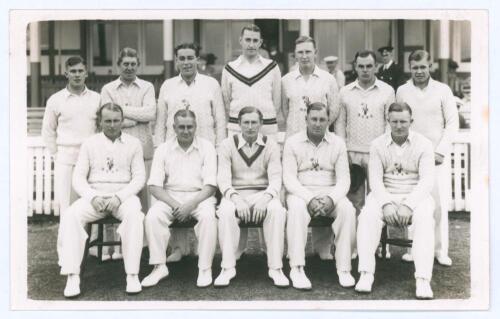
(331, 62)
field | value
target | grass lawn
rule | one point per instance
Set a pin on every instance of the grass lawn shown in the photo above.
(106, 281)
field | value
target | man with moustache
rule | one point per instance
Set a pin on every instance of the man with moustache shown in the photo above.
(200, 94)
(436, 117)
(69, 118)
(401, 179)
(301, 87)
(183, 180)
(108, 175)
(316, 177)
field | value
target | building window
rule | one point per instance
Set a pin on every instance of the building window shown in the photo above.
(102, 35)
(354, 32)
(327, 38)
(381, 34)
(154, 42)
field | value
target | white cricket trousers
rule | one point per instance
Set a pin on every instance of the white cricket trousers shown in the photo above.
(370, 227)
(273, 227)
(159, 218)
(441, 193)
(64, 194)
(73, 234)
(344, 230)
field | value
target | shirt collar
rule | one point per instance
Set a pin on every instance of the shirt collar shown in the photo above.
(137, 82)
(241, 60)
(388, 64)
(429, 84)
(327, 138)
(242, 142)
(67, 92)
(181, 80)
(389, 140)
(194, 145)
(118, 139)
(357, 86)
(298, 74)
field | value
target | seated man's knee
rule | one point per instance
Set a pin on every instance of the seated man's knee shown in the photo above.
(226, 210)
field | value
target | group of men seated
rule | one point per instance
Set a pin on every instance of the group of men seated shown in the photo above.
(247, 168)
(211, 137)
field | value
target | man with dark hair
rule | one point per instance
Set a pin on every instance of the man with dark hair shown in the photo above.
(183, 180)
(401, 179)
(69, 118)
(363, 109)
(316, 177)
(249, 178)
(436, 117)
(108, 175)
(390, 72)
(252, 80)
(201, 94)
(301, 87)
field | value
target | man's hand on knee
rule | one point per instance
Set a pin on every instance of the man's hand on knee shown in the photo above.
(390, 213)
(112, 204)
(242, 208)
(183, 212)
(260, 208)
(405, 215)
(99, 203)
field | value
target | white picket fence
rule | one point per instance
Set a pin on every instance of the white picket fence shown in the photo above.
(40, 168)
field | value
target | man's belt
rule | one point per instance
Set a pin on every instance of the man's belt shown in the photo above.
(234, 120)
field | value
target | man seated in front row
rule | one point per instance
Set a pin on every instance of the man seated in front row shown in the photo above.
(249, 178)
(401, 169)
(187, 166)
(108, 175)
(316, 177)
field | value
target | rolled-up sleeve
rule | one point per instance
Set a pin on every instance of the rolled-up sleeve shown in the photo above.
(343, 178)
(290, 174)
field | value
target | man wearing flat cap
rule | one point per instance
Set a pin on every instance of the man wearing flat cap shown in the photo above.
(331, 62)
(390, 72)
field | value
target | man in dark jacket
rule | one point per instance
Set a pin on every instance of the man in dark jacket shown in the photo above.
(390, 72)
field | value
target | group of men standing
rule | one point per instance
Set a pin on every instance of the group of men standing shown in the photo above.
(210, 136)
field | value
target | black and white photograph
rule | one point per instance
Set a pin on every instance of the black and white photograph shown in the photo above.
(246, 159)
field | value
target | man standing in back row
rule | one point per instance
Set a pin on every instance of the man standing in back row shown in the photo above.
(69, 118)
(435, 116)
(252, 80)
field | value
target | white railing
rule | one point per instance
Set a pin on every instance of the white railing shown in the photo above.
(41, 200)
